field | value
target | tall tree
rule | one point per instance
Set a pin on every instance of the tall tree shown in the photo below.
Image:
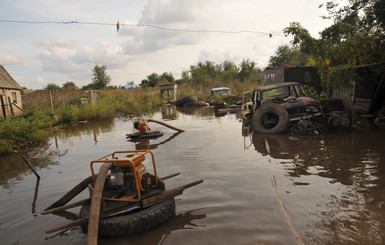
(69, 85)
(151, 81)
(100, 77)
(248, 70)
(286, 54)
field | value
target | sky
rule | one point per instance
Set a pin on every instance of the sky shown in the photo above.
(58, 41)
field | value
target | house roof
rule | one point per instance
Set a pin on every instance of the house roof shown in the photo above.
(6, 81)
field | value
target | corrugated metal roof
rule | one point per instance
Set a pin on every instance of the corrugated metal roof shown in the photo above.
(6, 81)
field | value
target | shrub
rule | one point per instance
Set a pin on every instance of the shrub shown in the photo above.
(33, 128)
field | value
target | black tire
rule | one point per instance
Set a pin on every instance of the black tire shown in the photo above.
(195, 104)
(270, 118)
(138, 221)
(180, 102)
(349, 106)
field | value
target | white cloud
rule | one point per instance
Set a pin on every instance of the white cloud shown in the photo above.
(57, 57)
(8, 59)
(54, 43)
(177, 15)
(40, 80)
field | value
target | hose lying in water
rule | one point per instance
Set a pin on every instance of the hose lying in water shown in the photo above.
(166, 125)
(93, 220)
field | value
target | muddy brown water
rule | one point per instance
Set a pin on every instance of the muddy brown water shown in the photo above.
(257, 189)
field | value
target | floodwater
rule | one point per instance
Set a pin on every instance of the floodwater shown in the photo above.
(257, 189)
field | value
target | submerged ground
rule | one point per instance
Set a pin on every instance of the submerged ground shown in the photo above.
(258, 189)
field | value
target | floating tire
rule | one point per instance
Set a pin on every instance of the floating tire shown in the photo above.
(195, 104)
(349, 106)
(187, 99)
(137, 221)
(270, 118)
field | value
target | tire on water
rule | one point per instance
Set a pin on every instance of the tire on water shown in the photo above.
(134, 222)
(180, 102)
(195, 104)
(270, 118)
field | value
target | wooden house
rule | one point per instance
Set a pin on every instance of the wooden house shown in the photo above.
(10, 95)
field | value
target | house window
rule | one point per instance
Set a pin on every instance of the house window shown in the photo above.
(14, 97)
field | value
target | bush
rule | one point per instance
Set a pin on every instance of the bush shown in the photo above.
(34, 128)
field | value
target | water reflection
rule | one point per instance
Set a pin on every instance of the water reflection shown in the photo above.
(35, 195)
(347, 157)
(68, 133)
(144, 144)
(199, 111)
(169, 112)
(353, 162)
(160, 234)
(13, 167)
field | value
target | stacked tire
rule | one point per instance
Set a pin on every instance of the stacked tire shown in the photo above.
(189, 101)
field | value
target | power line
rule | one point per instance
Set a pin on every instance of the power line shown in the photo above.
(143, 25)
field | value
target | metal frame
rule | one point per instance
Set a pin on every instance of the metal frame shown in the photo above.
(131, 164)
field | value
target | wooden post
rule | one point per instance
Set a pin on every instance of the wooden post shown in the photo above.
(3, 106)
(50, 97)
(10, 106)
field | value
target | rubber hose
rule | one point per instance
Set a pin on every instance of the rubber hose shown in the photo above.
(93, 220)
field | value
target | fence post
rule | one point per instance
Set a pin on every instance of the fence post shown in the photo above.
(50, 97)
(3, 106)
(10, 106)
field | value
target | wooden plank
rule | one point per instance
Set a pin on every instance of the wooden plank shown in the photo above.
(71, 205)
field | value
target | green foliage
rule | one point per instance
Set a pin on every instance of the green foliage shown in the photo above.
(52, 86)
(354, 39)
(342, 75)
(203, 72)
(33, 128)
(154, 79)
(248, 70)
(311, 92)
(69, 85)
(285, 54)
(100, 77)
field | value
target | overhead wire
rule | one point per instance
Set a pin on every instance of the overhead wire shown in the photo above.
(119, 25)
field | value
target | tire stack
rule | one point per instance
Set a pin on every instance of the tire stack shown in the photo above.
(189, 101)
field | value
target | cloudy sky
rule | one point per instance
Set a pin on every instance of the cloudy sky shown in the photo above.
(42, 46)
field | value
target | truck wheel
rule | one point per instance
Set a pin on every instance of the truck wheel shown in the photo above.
(137, 221)
(270, 118)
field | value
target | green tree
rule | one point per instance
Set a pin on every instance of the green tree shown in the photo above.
(185, 78)
(229, 71)
(248, 70)
(52, 86)
(69, 85)
(203, 72)
(286, 54)
(166, 77)
(151, 81)
(100, 77)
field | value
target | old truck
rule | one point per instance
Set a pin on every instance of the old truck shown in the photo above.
(274, 107)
